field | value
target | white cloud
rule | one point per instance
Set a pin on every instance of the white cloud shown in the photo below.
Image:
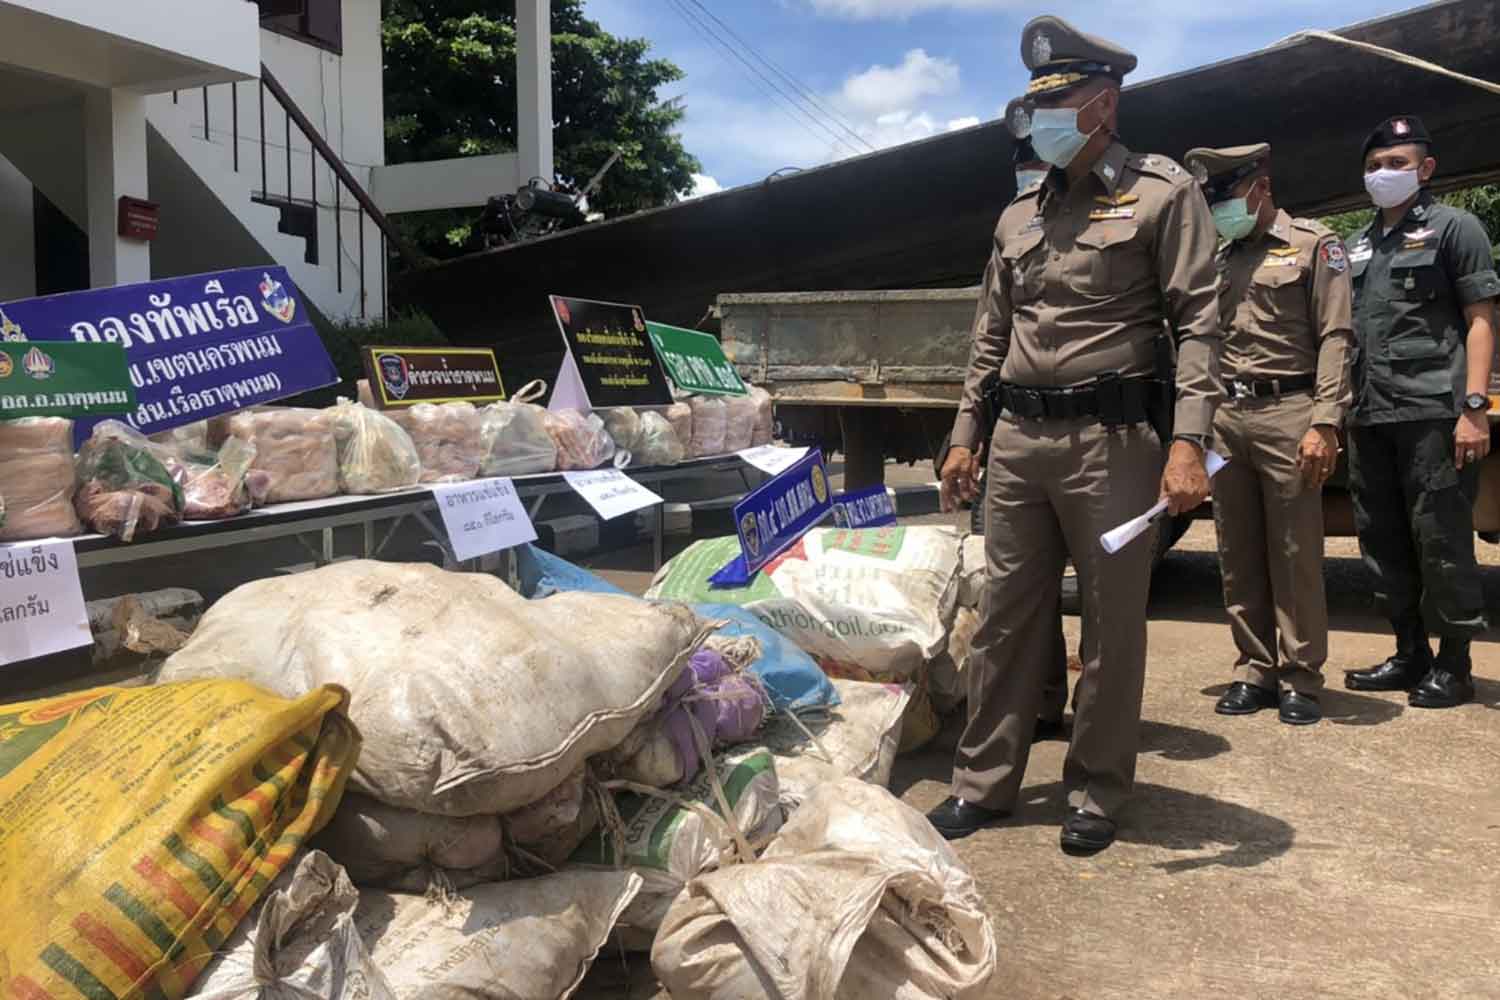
(961, 123)
(890, 88)
(705, 184)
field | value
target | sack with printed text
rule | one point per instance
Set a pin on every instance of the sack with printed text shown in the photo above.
(872, 604)
(139, 826)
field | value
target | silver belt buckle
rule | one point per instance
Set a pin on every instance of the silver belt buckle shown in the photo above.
(1240, 389)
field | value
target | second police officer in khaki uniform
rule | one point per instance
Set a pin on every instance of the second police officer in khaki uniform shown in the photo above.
(1090, 264)
(1284, 299)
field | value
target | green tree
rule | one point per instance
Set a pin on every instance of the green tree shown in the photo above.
(450, 90)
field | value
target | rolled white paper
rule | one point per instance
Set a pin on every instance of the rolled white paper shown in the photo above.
(1116, 539)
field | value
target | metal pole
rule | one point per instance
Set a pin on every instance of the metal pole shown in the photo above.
(234, 105)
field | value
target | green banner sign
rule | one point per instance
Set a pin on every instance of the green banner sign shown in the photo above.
(695, 361)
(57, 379)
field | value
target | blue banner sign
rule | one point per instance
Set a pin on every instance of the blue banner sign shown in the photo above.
(867, 508)
(196, 347)
(772, 518)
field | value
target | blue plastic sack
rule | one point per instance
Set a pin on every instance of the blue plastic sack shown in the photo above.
(793, 680)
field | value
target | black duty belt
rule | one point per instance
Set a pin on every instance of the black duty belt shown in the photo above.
(1245, 388)
(1110, 399)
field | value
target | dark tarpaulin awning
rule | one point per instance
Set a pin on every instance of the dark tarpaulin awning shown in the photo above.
(921, 215)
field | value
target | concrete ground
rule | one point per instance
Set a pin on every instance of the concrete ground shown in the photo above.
(1356, 858)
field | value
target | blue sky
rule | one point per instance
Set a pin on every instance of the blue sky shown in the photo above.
(892, 71)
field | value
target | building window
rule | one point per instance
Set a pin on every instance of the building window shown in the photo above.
(319, 22)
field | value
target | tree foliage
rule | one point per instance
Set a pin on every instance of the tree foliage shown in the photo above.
(450, 90)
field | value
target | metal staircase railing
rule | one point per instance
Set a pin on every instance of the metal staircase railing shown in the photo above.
(321, 152)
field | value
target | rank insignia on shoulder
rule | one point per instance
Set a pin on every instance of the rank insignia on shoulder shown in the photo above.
(1115, 201)
(1334, 256)
(1108, 214)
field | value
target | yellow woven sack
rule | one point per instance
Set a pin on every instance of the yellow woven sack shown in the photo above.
(139, 825)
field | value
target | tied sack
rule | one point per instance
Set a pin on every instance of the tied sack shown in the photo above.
(299, 942)
(471, 699)
(764, 417)
(37, 479)
(515, 437)
(680, 416)
(296, 450)
(675, 835)
(858, 897)
(857, 739)
(740, 415)
(532, 939)
(872, 605)
(138, 826)
(657, 443)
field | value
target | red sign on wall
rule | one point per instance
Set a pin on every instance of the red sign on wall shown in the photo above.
(139, 219)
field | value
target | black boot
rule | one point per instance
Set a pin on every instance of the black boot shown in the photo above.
(1401, 672)
(1450, 682)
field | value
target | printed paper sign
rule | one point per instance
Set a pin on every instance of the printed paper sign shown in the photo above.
(695, 361)
(41, 600)
(483, 516)
(63, 380)
(772, 459)
(610, 492)
(196, 347)
(405, 376)
(772, 518)
(868, 508)
(609, 360)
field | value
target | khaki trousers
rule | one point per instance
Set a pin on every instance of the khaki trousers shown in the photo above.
(1054, 486)
(1270, 531)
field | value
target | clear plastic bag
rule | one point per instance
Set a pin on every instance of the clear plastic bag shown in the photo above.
(710, 426)
(764, 417)
(515, 437)
(213, 492)
(37, 479)
(624, 426)
(448, 437)
(125, 488)
(582, 441)
(740, 413)
(680, 416)
(296, 450)
(375, 454)
(657, 443)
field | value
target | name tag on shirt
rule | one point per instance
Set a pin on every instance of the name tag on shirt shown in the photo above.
(1361, 253)
(1279, 262)
(1107, 214)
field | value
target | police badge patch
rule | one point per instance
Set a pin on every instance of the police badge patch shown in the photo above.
(1334, 256)
(394, 375)
(275, 300)
(1041, 48)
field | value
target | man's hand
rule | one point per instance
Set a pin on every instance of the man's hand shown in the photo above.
(1471, 438)
(960, 478)
(1318, 455)
(1184, 483)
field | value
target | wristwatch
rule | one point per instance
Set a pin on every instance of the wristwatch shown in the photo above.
(1198, 439)
(1477, 402)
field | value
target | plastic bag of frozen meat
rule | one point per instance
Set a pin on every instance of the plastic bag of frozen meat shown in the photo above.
(125, 488)
(37, 479)
(582, 441)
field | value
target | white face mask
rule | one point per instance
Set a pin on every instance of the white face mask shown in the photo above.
(1390, 188)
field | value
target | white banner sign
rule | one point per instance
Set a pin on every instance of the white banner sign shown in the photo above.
(41, 600)
(772, 459)
(610, 492)
(483, 516)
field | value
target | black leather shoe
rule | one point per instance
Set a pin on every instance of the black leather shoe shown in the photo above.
(956, 818)
(1300, 709)
(1244, 698)
(1086, 833)
(1442, 688)
(1395, 674)
(1049, 729)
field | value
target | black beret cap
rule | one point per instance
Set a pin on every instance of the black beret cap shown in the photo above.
(1397, 131)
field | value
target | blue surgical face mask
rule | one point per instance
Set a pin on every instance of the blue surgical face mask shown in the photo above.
(1026, 178)
(1055, 135)
(1233, 219)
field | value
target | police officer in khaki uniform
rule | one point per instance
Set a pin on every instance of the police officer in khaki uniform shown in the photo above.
(1088, 265)
(1284, 299)
(1424, 294)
